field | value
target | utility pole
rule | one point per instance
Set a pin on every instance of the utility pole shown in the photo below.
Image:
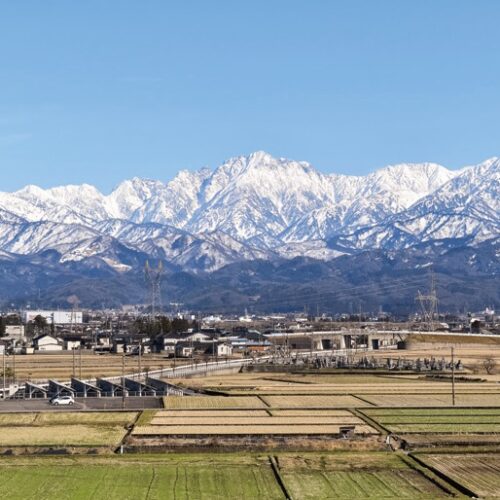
(452, 377)
(74, 368)
(139, 358)
(80, 360)
(3, 375)
(123, 380)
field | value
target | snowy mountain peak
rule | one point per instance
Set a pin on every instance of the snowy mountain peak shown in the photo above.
(257, 205)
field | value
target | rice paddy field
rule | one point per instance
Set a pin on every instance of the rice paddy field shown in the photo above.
(305, 413)
(359, 475)
(139, 477)
(479, 473)
(314, 401)
(241, 423)
(62, 435)
(437, 421)
(64, 429)
(215, 402)
(226, 476)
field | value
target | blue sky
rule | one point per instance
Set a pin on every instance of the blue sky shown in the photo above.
(102, 91)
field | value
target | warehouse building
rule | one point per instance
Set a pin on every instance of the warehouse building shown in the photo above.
(54, 317)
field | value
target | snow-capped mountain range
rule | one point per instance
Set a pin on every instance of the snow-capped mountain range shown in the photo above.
(255, 207)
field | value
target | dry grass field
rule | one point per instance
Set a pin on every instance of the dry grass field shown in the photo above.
(92, 418)
(62, 435)
(40, 367)
(316, 401)
(214, 402)
(302, 413)
(253, 420)
(17, 418)
(480, 473)
(64, 428)
(210, 413)
(431, 399)
(247, 422)
(245, 430)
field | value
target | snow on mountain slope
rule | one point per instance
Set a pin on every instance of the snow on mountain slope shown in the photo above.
(256, 206)
(7, 216)
(255, 198)
(368, 200)
(73, 241)
(175, 202)
(465, 209)
(214, 250)
(129, 196)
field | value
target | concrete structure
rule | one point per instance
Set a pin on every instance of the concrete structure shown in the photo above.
(343, 339)
(54, 317)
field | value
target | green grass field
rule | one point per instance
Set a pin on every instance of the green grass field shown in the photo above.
(139, 477)
(454, 428)
(214, 476)
(354, 475)
(378, 412)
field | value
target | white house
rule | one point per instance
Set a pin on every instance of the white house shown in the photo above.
(47, 343)
(224, 350)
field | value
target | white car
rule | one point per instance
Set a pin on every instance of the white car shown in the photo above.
(62, 400)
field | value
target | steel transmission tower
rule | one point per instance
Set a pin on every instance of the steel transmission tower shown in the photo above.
(153, 279)
(429, 304)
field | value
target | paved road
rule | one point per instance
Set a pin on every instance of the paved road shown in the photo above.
(81, 404)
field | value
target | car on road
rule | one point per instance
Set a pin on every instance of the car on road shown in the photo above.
(62, 400)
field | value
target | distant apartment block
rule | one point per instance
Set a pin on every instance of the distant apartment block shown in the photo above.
(53, 317)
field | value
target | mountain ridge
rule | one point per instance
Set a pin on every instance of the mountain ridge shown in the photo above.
(256, 207)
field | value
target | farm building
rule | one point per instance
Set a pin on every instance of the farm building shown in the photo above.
(183, 349)
(47, 343)
(219, 349)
